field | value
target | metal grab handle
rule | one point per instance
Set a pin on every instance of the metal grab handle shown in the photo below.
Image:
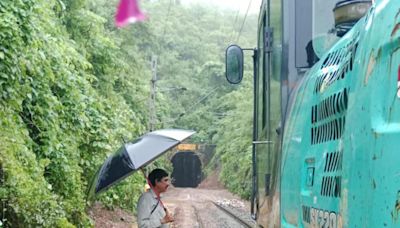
(253, 212)
(262, 142)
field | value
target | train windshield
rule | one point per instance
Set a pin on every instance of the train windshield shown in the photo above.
(333, 19)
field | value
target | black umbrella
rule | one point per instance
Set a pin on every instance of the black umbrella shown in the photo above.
(135, 155)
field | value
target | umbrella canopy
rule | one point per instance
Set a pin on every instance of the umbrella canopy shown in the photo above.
(135, 155)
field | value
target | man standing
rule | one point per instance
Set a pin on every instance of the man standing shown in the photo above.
(150, 210)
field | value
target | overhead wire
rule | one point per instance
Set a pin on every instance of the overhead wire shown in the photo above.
(203, 98)
(164, 25)
(167, 17)
(234, 24)
(192, 108)
(244, 20)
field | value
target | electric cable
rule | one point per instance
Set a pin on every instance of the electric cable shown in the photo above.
(234, 24)
(244, 20)
(167, 18)
(191, 108)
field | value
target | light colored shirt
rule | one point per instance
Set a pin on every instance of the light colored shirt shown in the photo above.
(147, 202)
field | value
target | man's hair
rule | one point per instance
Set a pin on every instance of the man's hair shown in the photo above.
(157, 175)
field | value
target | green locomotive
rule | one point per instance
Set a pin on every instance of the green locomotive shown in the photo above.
(326, 139)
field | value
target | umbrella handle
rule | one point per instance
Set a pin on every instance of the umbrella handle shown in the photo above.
(147, 179)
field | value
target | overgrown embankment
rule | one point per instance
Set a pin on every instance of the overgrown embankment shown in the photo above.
(72, 87)
(62, 110)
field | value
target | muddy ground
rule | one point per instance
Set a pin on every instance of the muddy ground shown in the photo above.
(191, 207)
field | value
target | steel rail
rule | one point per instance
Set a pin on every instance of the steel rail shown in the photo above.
(233, 215)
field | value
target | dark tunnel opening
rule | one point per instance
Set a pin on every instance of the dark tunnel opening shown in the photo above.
(187, 169)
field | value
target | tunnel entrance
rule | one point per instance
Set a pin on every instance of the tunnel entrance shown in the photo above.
(187, 169)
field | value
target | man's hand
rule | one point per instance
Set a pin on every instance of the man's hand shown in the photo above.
(167, 218)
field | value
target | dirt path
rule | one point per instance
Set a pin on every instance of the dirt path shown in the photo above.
(191, 207)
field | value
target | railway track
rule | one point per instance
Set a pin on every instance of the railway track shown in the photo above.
(245, 221)
(205, 208)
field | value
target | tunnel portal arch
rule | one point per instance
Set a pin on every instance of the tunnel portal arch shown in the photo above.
(187, 170)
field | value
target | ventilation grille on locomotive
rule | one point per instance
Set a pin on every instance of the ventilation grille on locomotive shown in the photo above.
(331, 112)
(344, 58)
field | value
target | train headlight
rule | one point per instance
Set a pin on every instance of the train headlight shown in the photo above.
(348, 12)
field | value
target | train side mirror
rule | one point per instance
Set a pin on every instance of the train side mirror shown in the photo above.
(234, 64)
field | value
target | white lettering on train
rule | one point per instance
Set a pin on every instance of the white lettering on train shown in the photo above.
(323, 219)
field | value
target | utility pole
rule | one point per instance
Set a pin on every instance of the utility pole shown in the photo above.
(152, 103)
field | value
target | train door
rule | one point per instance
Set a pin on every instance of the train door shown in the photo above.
(268, 114)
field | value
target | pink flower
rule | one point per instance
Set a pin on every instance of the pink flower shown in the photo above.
(128, 12)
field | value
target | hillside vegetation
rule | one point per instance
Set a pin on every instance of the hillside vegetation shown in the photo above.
(72, 87)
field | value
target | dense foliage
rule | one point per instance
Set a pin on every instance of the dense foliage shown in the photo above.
(72, 87)
(62, 111)
(192, 55)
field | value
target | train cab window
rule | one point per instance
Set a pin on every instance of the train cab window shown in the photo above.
(323, 31)
(303, 32)
(339, 16)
